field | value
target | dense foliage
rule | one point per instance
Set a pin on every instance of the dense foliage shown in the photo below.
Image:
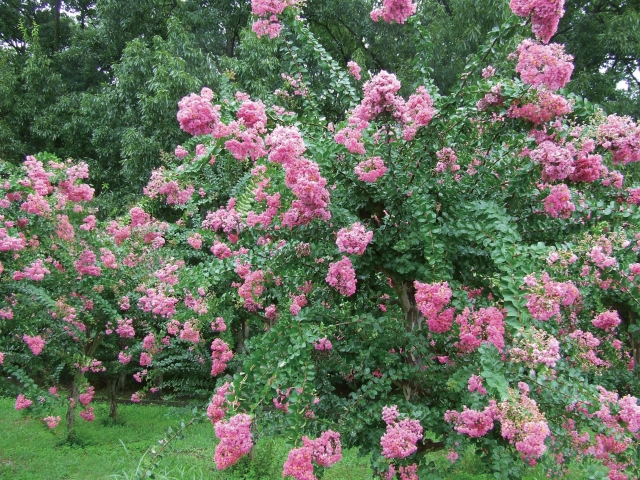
(432, 272)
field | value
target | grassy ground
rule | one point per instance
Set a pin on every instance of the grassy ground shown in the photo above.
(108, 450)
(28, 450)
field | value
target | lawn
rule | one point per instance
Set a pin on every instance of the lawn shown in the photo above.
(108, 450)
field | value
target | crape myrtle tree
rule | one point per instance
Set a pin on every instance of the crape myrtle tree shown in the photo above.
(91, 302)
(433, 272)
(430, 273)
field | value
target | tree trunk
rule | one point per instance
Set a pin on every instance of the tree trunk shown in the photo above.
(73, 405)
(112, 384)
(412, 322)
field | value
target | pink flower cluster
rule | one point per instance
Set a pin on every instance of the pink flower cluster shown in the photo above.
(88, 414)
(475, 385)
(302, 177)
(216, 409)
(394, 11)
(547, 298)
(417, 112)
(447, 160)
(535, 346)
(354, 69)
(235, 440)
(190, 332)
(218, 325)
(354, 239)
(545, 15)
(36, 343)
(86, 397)
(621, 136)
(370, 170)
(558, 204)
(431, 299)
(197, 115)
(401, 437)
(125, 328)
(524, 425)
(124, 358)
(324, 451)
(155, 301)
(342, 277)
(252, 287)
(52, 422)
(22, 402)
(9, 243)
(35, 271)
(587, 345)
(86, 264)
(546, 65)
(220, 355)
(474, 423)
(380, 97)
(476, 327)
(271, 25)
(545, 107)
(607, 321)
(323, 344)
(159, 185)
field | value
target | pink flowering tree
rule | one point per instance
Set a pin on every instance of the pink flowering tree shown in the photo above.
(91, 301)
(470, 259)
(465, 265)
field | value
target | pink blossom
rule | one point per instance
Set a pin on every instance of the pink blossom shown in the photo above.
(394, 11)
(22, 402)
(607, 321)
(189, 332)
(546, 65)
(36, 271)
(545, 15)
(125, 328)
(620, 135)
(401, 437)
(123, 358)
(323, 344)
(370, 170)
(220, 355)
(475, 385)
(196, 114)
(137, 397)
(473, 422)
(36, 344)
(354, 69)
(86, 264)
(353, 239)
(195, 241)
(218, 325)
(216, 410)
(477, 327)
(544, 107)
(86, 397)
(417, 112)
(342, 277)
(324, 451)
(145, 359)
(557, 162)
(52, 422)
(235, 440)
(64, 229)
(558, 204)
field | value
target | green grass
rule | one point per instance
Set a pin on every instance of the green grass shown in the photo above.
(107, 450)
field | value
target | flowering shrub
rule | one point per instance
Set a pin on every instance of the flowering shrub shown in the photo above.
(471, 259)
